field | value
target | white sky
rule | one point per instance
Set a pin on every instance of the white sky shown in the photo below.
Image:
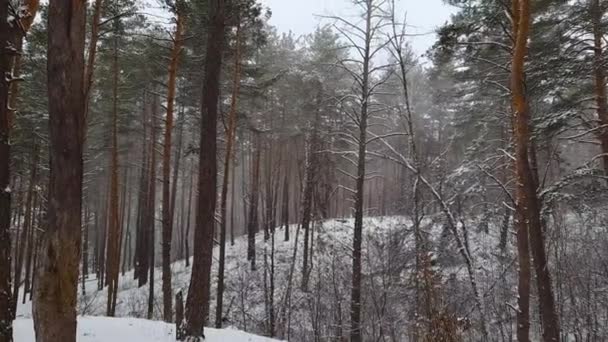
(298, 16)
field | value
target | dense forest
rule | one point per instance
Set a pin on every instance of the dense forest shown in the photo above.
(184, 161)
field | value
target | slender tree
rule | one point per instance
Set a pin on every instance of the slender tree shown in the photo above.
(230, 136)
(11, 39)
(113, 230)
(167, 231)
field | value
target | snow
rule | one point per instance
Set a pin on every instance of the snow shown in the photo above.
(245, 292)
(104, 329)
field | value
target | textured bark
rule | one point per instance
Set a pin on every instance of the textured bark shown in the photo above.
(232, 207)
(309, 184)
(126, 252)
(150, 219)
(285, 203)
(113, 230)
(141, 241)
(85, 249)
(252, 224)
(167, 204)
(92, 54)
(11, 40)
(188, 216)
(230, 133)
(355, 301)
(600, 78)
(520, 123)
(528, 204)
(18, 36)
(27, 226)
(197, 304)
(54, 306)
(6, 316)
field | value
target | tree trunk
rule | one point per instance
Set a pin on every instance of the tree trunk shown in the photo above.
(126, 252)
(521, 123)
(355, 309)
(30, 247)
(253, 206)
(309, 184)
(230, 133)
(600, 78)
(232, 206)
(27, 224)
(285, 205)
(197, 304)
(91, 54)
(54, 307)
(150, 217)
(167, 209)
(528, 205)
(188, 216)
(113, 230)
(85, 248)
(10, 35)
(141, 243)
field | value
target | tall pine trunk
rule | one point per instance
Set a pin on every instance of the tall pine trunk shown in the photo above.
(252, 224)
(197, 304)
(355, 301)
(27, 226)
(230, 133)
(150, 217)
(10, 35)
(113, 230)
(600, 78)
(528, 204)
(309, 185)
(167, 204)
(55, 293)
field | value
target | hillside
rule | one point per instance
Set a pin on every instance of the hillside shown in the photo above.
(103, 329)
(322, 306)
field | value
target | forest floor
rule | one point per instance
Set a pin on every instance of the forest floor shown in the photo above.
(104, 329)
(246, 293)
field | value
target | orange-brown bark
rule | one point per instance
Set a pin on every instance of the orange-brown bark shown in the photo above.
(528, 204)
(230, 134)
(167, 208)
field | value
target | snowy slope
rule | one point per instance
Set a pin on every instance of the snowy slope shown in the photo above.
(387, 249)
(103, 329)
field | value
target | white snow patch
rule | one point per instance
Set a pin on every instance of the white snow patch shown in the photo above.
(104, 329)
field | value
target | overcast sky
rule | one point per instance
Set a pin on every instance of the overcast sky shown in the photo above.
(423, 16)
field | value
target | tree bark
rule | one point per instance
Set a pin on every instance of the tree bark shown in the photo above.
(27, 226)
(92, 54)
(355, 304)
(197, 304)
(309, 183)
(528, 204)
(150, 218)
(520, 123)
(10, 35)
(54, 306)
(600, 78)
(188, 216)
(141, 243)
(230, 134)
(252, 224)
(113, 230)
(167, 204)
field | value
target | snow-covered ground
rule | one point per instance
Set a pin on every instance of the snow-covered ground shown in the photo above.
(322, 307)
(104, 329)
